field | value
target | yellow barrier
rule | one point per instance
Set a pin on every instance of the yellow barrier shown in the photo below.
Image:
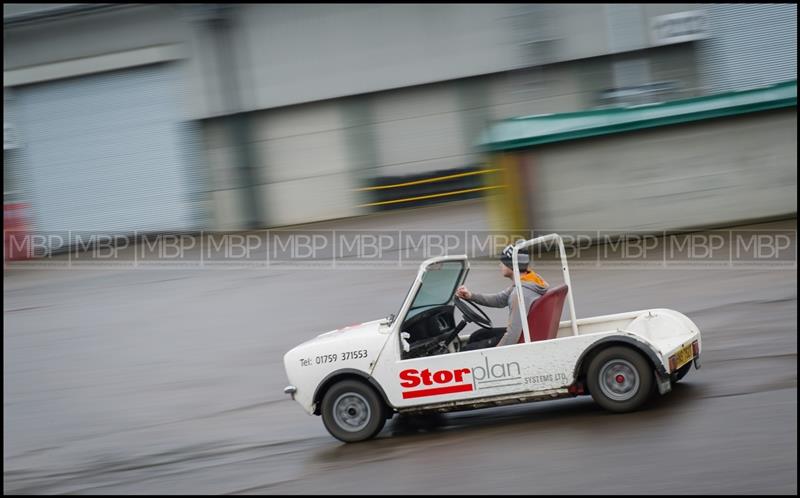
(428, 180)
(489, 171)
(431, 196)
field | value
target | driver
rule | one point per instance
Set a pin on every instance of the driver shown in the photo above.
(533, 286)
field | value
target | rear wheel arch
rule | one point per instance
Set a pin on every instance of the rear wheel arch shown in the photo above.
(345, 374)
(582, 365)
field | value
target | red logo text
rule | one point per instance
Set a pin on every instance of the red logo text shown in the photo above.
(448, 381)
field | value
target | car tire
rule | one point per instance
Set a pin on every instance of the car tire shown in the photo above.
(352, 411)
(620, 379)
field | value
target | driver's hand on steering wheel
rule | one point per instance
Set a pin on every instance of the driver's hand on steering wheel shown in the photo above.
(463, 292)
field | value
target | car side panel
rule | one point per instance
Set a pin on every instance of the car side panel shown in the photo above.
(470, 375)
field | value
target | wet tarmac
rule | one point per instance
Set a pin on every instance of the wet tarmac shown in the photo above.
(170, 381)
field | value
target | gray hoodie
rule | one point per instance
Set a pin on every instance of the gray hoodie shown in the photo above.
(508, 297)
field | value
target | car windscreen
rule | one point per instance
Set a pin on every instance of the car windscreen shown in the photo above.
(438, 284)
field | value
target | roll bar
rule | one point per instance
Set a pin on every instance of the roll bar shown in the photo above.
(523, 312)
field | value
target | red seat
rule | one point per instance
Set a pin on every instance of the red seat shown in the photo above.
(545, 314)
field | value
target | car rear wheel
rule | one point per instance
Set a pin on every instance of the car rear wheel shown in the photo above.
(620, 379)
(352, 411)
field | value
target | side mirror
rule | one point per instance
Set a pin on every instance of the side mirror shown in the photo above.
(406, 345)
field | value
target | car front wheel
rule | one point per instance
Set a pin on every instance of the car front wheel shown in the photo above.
(620, 379)
(352, 411)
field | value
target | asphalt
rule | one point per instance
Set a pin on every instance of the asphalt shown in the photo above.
(146, 381)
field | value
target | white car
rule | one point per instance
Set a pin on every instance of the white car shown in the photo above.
(359, 376)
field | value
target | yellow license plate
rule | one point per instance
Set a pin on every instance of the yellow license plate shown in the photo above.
(683, 356)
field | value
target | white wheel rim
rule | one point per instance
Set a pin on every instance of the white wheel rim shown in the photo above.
(619, 380)
(351, 412)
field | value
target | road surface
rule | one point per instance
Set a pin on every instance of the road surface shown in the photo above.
(170, 381)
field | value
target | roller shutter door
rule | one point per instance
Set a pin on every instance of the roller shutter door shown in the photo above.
(305, 171)
(419, 130)
(106, 152)
(751, 45)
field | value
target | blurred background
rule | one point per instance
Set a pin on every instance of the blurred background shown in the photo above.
(175, 118)
(222, 116)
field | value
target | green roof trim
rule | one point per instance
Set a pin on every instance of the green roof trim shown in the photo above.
(521, 132)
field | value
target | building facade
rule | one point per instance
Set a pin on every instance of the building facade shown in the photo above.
(182, 117)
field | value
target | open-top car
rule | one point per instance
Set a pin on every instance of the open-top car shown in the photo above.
(359, 376)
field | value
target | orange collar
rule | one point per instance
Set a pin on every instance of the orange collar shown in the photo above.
(534, 277)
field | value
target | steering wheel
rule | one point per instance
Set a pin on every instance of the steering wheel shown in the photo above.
(470, 314)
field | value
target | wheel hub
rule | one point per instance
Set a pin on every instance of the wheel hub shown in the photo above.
(619, 380)
(351, 412)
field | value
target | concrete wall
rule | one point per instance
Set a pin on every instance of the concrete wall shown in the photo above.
(341, 93)
(680, 176)
(289, 54)
(419, 129)
(549, 33)
(97, 34)
(312, 157)
(301, 53)
(303, 168)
